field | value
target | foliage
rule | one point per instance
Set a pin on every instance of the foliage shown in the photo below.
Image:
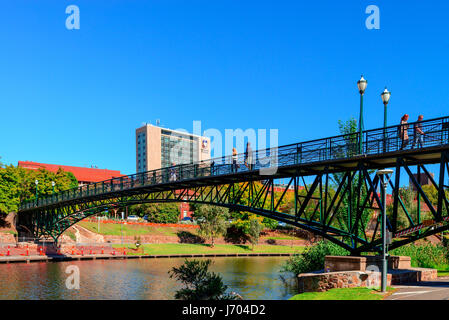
(424, 256)
(212, 221)
(235, 235)
(188, 237)
(408, 197)
(349, 129)
(312, 259)
(157, 212)
(347, 213)
(18, 184)
(255, 227)
(199, 283)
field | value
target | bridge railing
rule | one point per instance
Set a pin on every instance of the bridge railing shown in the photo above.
(375, 141)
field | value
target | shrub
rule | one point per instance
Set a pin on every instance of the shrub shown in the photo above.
(212, 221)
(313, 258)
(424, 256)
(235, 235)
(199, 283)
(187, 237)
(255, 227)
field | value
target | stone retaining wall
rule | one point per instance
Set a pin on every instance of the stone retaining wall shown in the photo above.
(347, 263)
(319, 282)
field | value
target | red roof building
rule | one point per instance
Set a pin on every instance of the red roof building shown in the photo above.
(83, 175)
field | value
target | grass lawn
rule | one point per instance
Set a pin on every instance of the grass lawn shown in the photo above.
(114, 229)
(443, 273)
(342, 294)
(8, 231)
(136, 230)
(283, 237)
(184, 248)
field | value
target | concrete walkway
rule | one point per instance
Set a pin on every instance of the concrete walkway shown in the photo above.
(425, 290)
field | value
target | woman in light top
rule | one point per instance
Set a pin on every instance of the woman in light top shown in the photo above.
(234, 160)
(403, 131)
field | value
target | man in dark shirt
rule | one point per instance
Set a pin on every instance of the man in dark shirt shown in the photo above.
(418, 133)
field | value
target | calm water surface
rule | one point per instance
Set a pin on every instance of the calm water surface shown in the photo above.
(252, 277)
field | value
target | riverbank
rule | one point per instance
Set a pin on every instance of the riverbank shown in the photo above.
(206, 249)
(60, 258)
(169, 250)
(159, 233)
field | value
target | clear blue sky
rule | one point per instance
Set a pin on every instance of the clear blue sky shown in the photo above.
(75, 97)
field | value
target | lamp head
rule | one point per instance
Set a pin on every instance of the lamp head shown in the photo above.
(385, 172)
(385, 96)
(361, 84)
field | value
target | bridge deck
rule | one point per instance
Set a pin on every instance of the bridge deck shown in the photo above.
(380, 149)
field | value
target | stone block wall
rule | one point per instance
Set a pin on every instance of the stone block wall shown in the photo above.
(319, 282)
(347, 263)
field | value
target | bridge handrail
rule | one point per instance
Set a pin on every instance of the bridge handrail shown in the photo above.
(374, 141)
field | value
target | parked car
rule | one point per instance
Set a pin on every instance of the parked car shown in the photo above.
(282, 224)
(186, 220)
(200, 219)
(145, 217)
(133, 218)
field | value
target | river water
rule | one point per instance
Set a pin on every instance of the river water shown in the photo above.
(251, 277)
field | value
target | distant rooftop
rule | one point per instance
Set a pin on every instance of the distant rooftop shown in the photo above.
(87, 175)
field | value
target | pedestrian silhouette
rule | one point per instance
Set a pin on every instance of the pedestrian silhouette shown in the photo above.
(403, 131)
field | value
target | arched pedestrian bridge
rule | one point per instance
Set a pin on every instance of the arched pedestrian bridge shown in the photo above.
(333, 182)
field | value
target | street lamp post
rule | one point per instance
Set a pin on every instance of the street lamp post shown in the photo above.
(361, 84)
(36, 182)
(385, 98)
(385, 175)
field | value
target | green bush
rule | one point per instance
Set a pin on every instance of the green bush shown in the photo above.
(313, 258)
(424, 256)
(199, 283)
(157, 212)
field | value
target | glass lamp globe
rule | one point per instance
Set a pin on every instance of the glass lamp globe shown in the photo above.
(385, 96)
(361, 84)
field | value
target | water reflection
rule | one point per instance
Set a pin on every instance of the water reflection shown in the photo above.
(252, 277)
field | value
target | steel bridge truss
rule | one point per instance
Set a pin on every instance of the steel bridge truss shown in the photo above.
(340, 205)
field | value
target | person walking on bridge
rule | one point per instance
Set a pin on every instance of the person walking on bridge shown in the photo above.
(173, 172)
(249, 156)
(403, 131)
(418, 133)
(234, 160)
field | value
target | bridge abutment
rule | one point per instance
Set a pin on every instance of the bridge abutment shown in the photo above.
(362, 271)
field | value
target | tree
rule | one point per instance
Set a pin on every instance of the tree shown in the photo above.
(346, 214)
(199, 283)
(312, 259)
(157, 212)
(255, 227)
(212, 221)
(18, 184)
